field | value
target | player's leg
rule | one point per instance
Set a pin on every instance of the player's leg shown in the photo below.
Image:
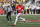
(16, 19)
(10, 18)
(22, 19)
(7, 18)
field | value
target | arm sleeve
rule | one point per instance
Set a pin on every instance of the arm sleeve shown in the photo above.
(23, 8)
(16, 7)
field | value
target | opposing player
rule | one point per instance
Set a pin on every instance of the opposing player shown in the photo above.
(19, 10)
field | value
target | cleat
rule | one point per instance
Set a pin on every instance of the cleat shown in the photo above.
(7, 21)
(13, 24)
(24, 21)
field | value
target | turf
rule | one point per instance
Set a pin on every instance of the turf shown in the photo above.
(4, 23)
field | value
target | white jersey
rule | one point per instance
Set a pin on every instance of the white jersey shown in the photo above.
(5, 5)
(9, 9)
(26, 7)
(33, 7)
(37, 7)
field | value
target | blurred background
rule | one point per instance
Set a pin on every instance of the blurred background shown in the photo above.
(30, 6)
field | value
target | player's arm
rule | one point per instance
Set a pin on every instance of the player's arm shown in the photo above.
(17, 9)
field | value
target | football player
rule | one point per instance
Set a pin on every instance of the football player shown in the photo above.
(19, 10)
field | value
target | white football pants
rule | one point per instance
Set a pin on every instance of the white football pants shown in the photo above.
(18, 17)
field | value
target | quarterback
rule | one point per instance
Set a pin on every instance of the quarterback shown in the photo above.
(19, 9)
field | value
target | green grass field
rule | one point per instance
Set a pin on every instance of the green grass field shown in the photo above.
(4, 23)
